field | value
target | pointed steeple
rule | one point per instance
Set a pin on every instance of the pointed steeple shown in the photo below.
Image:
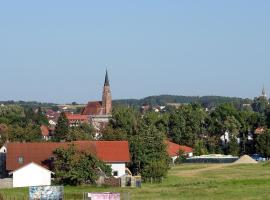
(106, 82)
(263, 92)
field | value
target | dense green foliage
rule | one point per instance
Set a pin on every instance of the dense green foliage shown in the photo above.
(263, 144)
(146, 138)
(62, 128)
(63, 132)
(206, 101)
(74, 167)
(20, 124)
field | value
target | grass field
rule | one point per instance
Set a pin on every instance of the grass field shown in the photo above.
(190, 181)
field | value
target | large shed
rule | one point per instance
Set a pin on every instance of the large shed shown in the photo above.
(31, 174)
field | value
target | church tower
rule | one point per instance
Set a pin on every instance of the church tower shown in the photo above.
(106, 96)
(264, 93)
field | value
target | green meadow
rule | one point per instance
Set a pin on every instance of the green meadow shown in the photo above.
(188, 181)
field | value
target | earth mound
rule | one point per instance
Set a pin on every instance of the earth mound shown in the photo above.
(245, 159)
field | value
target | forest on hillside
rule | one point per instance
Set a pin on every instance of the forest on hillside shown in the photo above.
(205, 101)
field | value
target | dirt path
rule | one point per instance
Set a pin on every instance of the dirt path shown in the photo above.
(193, 172)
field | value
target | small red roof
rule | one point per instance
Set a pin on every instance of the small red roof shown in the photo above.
(80, 117)
(173, 149)
(44, 130)
(40, 153)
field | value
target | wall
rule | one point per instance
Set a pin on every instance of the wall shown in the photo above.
(120, 167)
(31, 175)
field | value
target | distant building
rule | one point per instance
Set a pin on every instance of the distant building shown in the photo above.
(75, 120)
(103, 107)
(259, 131)
(264, 93)
(45, 131)
(173, 150)
(100, 112)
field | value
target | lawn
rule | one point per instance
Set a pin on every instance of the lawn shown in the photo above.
(189, 181)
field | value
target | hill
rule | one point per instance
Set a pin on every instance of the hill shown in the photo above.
(206, 101)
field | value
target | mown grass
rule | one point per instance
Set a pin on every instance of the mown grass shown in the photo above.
(235, 182)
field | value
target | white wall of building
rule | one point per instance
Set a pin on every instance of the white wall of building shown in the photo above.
(118, 167)
(31, 175)
(3, 149)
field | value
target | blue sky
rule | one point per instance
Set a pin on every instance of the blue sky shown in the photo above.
(58, 51)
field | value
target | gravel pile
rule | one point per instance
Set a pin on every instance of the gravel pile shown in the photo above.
(245, 159)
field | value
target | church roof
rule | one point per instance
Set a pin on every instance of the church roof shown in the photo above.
(93, 108)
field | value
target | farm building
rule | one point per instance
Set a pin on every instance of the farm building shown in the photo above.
(173, 150)
(113, 153)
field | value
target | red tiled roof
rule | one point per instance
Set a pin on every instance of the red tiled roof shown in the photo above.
(107, 151)
(93, 108)
(173, 148)
(44, 130)
(80, 117)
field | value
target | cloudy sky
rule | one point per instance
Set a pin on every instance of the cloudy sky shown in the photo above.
(58, 51)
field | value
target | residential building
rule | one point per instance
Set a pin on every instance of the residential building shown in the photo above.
(75, 120)
(113, 153)
(40, 176)
(173, 150)
(46, 132)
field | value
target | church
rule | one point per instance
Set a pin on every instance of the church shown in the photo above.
(100, 112)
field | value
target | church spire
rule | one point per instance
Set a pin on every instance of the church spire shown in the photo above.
(106, 82)
(106, 96)
(263, 92)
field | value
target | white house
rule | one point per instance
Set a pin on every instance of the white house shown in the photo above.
(118, 169)
(31, 174)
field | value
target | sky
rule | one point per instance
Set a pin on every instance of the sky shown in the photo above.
(58, 51)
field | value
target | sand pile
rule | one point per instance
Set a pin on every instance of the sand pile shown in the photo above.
(245, 159)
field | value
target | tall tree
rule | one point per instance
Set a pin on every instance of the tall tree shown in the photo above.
(62, 128)
(263, 144)
(187, 124)
(74, 167)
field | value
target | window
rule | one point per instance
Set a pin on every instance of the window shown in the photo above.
(20, 160)
(115, 173)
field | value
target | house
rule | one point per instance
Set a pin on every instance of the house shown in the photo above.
(45, 131)
(3, 152)
(40, 176)
(113, 153)
(259, 131)
(173, 150)
(75, 120)
(52, 117)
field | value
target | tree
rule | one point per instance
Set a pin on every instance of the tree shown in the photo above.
(111, 134)
(62, 128)
(259, 104)
(200, 148)
(263, 144)
(233, 147)
(146, 140)
(74, 167)
(30, 133)
(148, 148)
(187, 124)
